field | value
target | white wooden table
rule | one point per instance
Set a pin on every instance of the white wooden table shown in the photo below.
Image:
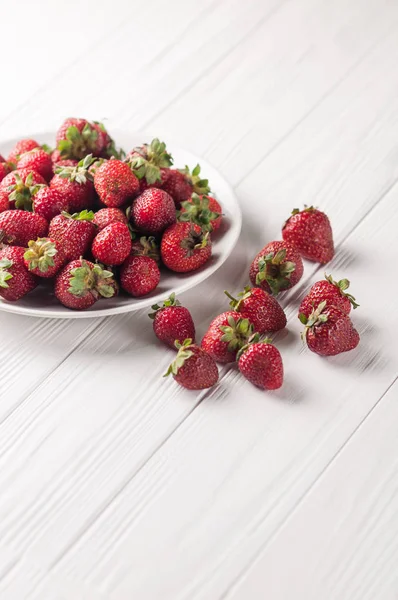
(116, 484)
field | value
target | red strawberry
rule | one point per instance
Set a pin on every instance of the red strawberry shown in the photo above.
(330, 290)
(146, 246)
(73, 232)
(77, 137)
(147, 160)
(39, 161)
(262, 309)
(115, 183)
(49, 203)
(172, 322)
(277, 267)
(18, 227)
(112, 245)
(44, 257)
(329, 330)
(15, 279)
(139, 275)
(74, 184)
(107, 216)
(4, 170)
(58, 161)
(261, 363)
(81, 283)
(226, 335)
(193, 368)
(20, 186)
(153, 211)
(310, 231)
(181, 183)
(202, 210)
(20, 148)
(185, 247)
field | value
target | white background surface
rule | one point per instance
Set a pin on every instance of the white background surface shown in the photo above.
(116, 484)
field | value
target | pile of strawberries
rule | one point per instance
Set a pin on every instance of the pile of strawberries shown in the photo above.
(95, 220)
(238, 334)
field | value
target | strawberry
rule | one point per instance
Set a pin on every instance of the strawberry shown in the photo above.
(20, 148)
(329, 330)
(185, 247)
(310, 231)
(139, 275)
(172, 322)
(37, 160)
(153, 211)
(81, 283)
(115, 183)
(4, 169)
(49, 203)
(107, 216)
(73, 232)
(146, 161)
(75, 185)
(15, 279)
(261, 363)
(330, 290)
(193, 368)
(58, 161)
(18, 227)
(44, 257)
(181, 183)
(262, 309)
(78, 137)
(112, 245)
(227, 333)
(20, 186)
(146, 246)
(205, 211)
(277, 267)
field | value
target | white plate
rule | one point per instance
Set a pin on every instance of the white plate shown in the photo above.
(42, 302)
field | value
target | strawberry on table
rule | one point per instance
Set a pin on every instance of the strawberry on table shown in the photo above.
(18, 227)
(226, 335)
(172, 322)
(39, 161)
(81, 283)
(261, 363)
(334, 292)
(181, 183)
(146, 246)
(73, 232)
(205, 211)
(262, 309)
(153, 211)
(185, 247)
(310, 231)
(193, 368)
(329, 330)
(49, 203)
(15, 279)
(20, 148)
(20, 186)
(277, 267)
(115, 183)
(139, 275)
(75, 185)
(112, 245)
(146, 161)
(44, 257)
(107, 216)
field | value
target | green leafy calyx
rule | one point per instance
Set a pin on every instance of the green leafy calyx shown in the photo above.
(5, 275)
(95, 279)
(317, 317)
(184, 353)
(236, 333)
(196, 210)
(194, 240)
(170, 301)
(199, 185)
(21, 192)
(80, 173)
(342, 286)
(275, 270)
(147, 160)
(40, 254)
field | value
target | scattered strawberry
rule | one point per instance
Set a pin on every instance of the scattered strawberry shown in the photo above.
(205, 211)
(112, 245)
(107, 216)
(185, 247)
(49, 203)
(15, 279)
(81, 283)
(334, 292)
(193, 368)
(262, 309)
(73, 232)
(39, 161)
(44, 257)
(181, 183)
(18, 227)
(146, 161)
(78, 137)
(226, 335)
(277, 267)
(20, 148)
(146, 246)
(115, 183)
(153, 211)
(20, 186)
(261, 363)
(139, 275)
(329, 330)
(172, 322)
(75, 185)
(310, 231)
